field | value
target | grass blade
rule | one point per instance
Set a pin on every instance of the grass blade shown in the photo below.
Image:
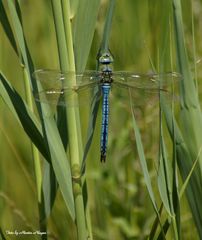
(19, 34)
(7, 27)
(50, 188)
(74, 7)
(143, 162)
(66, 57)
(23, 115)
(191, 120)
(107, 28)
(155, 225)
(58, 159)
(184, 159)
(164, 178)
(166, 226)
(2, 237)
(91, 127)
(168, 182)
(84, 27)
(184, 186)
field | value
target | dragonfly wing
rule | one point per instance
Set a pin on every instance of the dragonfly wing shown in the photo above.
(70, 97)
(57, 92)
(146, 89)
(146, 82)
(56, 79)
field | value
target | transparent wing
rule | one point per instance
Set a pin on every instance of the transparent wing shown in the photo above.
(145, 89)
(57, 92)
(147, 82)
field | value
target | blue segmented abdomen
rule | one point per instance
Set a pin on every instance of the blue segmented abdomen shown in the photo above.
(105, 120)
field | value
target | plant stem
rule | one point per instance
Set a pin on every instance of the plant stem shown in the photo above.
(37, 165)
(71, 59)
(35, 154)
(65, 47)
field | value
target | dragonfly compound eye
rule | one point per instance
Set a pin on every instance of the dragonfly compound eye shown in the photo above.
(106, 58)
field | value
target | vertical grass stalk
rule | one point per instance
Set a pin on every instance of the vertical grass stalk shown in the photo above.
(37, 165)
(36, 158)
(66, 55)
(71, 60)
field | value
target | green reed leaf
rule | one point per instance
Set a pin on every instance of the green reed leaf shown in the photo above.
(164, 181)
(23, 114)
(143, 162)
(191, 121)
(107, 28)
(50, 131)
(73, 7)
(50, 188)
(155, 225)
(2, 236)
(83, 30)
(59, 159)
(166, 226)
(19, 33)
(184, 159)
(7, 27)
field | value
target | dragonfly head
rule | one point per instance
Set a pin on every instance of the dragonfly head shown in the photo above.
(105, 59)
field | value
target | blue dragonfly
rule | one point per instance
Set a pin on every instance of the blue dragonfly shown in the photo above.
(100, 82)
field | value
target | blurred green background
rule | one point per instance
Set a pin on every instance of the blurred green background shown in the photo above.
(119, 204)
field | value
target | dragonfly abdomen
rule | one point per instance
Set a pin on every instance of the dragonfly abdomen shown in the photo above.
(105, 120)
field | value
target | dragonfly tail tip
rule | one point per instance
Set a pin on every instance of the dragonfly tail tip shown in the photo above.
(103, 157)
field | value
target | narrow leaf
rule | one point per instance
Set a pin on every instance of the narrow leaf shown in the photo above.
(107, 28)
(19, 33)
(91, 128)
(2, 237)
(58, 155)
(74, 7)
(163, 179)
(166, 226)
(50, 187)
(184, 186)
(22, 113)
(143, 162)
(7, 27)
(59, 159)
(84, 27)
(155, 225)
(184, 160)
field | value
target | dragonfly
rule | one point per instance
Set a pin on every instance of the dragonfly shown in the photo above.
(55, 89)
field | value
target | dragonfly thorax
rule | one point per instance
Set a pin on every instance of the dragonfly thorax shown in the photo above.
(105, 62)
(107, 76)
